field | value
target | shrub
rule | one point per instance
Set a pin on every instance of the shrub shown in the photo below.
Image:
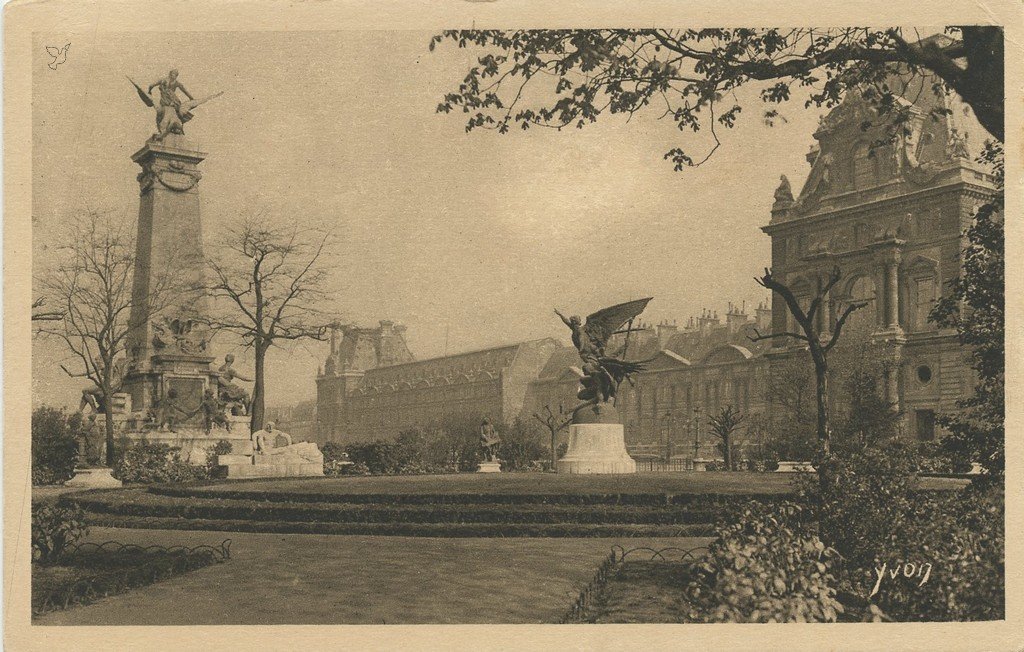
(147, 463)
(876, 518)
(54, 445)
(356, 468)
(213, 469)
(767, 567)
(871, 494)
(937, 458)
(333, 452)
(379, 457)
(54, 528)
(959, 538)
(521, 445)
(763, 460)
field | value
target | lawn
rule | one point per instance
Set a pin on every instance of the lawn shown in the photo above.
(643, 592)
(316, 579)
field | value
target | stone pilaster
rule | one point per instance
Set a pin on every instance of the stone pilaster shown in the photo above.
(888, 255)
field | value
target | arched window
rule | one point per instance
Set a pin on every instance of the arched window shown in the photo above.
(860, 234)
(861, 288)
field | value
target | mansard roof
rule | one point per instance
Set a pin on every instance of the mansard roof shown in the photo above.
(852, 161)
(469, 366)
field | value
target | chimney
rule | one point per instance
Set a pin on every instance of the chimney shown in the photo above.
(764, 316)
(735, 318)
(665, 333)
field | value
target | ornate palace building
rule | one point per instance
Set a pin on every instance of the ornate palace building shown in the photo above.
(371, 387)
(890, 216)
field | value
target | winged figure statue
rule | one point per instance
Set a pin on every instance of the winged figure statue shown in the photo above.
(602, 373)
(171, 112)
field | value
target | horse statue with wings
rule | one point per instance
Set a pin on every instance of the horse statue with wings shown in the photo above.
(602, 373)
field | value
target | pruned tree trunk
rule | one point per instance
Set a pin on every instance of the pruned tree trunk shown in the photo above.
(812, 335)
(108, 412)
(258, 390)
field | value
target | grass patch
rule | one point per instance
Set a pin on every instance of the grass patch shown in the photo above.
(643, 592)
(91, 571)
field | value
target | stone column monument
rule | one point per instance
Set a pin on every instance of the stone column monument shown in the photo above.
(596, 438)
(168, 351)
(170, 366)
(167, 341)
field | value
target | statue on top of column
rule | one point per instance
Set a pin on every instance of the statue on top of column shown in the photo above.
(171, 112)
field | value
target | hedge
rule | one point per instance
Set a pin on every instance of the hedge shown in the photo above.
(143, 504)
(449, 530)
(650, 499)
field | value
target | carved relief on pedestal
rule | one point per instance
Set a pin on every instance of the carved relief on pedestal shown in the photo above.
(171, 174)
(179, 335)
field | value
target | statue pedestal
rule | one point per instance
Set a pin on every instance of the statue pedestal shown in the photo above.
(490, 467)
(93, 479)
(596, 448)
(260, 465)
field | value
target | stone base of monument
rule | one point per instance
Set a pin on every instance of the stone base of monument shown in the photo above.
(597, 443)
(490, 467)
(270, 466)
(596, 448)
(96, 478)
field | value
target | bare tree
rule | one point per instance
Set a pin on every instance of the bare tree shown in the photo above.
(723, 426)
(91, 289)
(273, 283)
(555, 424)
(819, 342)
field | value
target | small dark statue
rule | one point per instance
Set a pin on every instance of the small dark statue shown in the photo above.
(602, 373)
(489, 441)
(213, 412)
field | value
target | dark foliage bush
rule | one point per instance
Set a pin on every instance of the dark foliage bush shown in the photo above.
(765, 567)
(937, 458)
(54, 445)
(55, 527)
(877, 519)
(357, 468)
(379, 457)
(213, 469)
(147, 463)
(522, 444)
(336, 461)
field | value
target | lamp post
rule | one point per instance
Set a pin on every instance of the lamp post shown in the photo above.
(696, 432)
(668, 421)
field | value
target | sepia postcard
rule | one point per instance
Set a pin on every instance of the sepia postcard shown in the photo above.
(500, 324)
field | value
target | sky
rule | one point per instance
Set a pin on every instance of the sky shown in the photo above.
(470, 240)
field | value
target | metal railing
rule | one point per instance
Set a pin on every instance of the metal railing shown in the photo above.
(580, 611)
